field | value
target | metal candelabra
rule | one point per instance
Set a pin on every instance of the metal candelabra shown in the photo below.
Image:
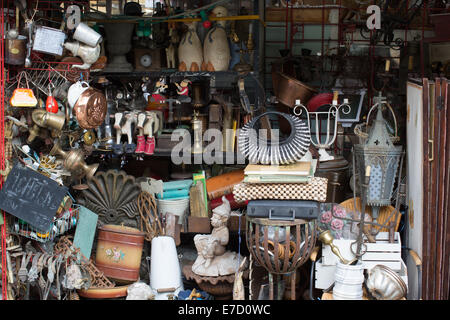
(332, 118)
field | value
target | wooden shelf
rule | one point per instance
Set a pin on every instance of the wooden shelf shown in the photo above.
(307, 16)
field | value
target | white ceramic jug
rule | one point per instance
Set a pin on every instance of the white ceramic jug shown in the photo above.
(348, 281)
(88, 54)
(165, 271)
(75, 91)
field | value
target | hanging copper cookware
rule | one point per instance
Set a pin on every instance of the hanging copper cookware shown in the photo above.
(90, 108)
(288, 89)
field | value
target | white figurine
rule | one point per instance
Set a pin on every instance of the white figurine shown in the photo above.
(190, 51)
(216, 50)
(213, 260)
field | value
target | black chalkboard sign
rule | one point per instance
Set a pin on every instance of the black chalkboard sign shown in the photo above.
(31, 196)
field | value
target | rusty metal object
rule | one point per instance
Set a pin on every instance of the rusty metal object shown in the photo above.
(119, 252)
(90, 108)
(150, 220)
(98, 280)
(288, 89)
(16, 50)
(72, 74)
(113, 196)
(300, 232)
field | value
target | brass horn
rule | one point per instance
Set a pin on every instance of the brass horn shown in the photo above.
(74, 160)
(48, 120)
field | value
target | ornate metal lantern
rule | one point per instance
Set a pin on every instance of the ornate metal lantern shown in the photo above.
(381, 156)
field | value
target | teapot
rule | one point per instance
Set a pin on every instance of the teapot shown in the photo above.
(88, 54)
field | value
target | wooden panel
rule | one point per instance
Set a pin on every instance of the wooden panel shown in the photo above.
(441, 109)
(426, 187)
(298, 15)
(446, 227)
(435, 282)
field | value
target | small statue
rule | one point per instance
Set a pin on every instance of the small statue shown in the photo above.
(213, 260)
(171, 50)
(158, 96)
(183, 89)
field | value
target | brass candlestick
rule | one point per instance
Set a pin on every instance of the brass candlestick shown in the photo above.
(73, 160)
(34, 132)
(197, 127)
(327, 239)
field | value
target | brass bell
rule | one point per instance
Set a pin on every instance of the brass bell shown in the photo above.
(73, 160)
(327, 239)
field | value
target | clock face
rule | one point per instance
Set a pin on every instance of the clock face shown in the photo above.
(146, 60)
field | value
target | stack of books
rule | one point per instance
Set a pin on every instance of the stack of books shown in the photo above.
(300, 172)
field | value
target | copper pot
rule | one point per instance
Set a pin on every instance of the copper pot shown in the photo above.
(288, 89)
(90, 108)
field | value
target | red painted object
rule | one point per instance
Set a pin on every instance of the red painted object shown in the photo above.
(207, 24)
(51, 105)
(214, 203)
(319, 100)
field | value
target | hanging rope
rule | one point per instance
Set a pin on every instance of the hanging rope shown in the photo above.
(150, 222)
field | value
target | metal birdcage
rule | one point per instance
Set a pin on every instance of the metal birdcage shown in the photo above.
(380, 154)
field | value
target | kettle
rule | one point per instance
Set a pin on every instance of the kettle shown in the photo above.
(88, 54)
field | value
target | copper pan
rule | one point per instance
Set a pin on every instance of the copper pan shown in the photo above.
(288, 89)
(90, 109)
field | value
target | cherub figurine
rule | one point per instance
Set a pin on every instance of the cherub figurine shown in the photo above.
(213, 259)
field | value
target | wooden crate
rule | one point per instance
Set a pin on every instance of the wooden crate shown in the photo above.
(324, 275)
(381, 252)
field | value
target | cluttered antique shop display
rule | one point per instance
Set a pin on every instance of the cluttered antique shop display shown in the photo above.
(103, 195)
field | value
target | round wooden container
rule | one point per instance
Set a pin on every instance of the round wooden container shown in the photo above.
(336, 171)
(119, 252)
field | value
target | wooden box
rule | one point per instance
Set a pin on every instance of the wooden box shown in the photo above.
(381, 252)
(199, 225)
(148, 59)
